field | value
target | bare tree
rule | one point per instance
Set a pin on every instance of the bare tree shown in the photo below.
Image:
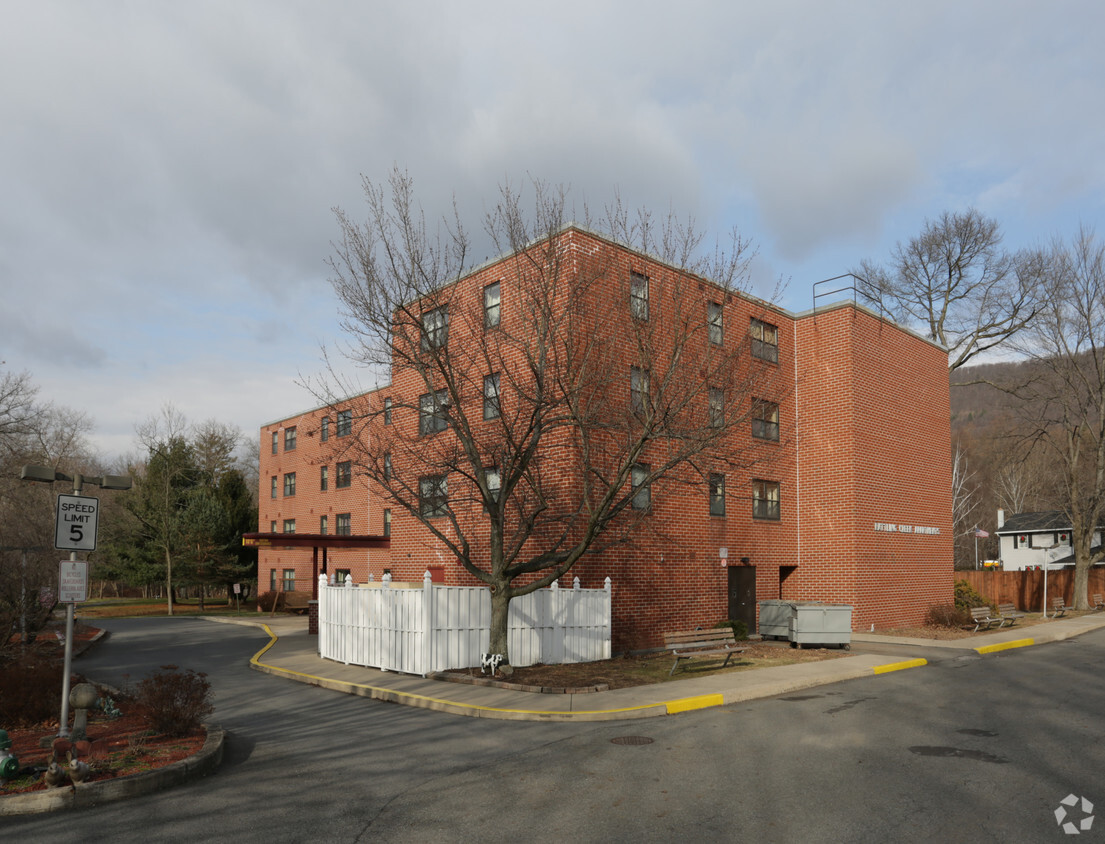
(32, 432)
(558, 453)
(1064, 405)
(964, 499)
(216, 446)
(17, 408)
(956, 282)
(1019, 478)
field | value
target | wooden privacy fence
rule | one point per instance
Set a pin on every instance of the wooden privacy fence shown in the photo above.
(437, 628)
(1025, 589)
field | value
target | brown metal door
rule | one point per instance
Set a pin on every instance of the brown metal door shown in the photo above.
(742, 595)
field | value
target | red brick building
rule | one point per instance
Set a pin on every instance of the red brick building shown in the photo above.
(842, 493)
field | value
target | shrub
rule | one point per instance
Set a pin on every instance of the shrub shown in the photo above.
(945, 615)
(30, 692)
(739, 628)
(178, 701)
(266, 600)
(966, 597)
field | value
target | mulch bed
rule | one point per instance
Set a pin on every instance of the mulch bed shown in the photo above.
(115, 747)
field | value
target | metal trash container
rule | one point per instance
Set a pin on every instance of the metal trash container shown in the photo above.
(807, 622)
(775, 619)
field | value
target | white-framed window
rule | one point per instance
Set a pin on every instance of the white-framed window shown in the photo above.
(638, 389)
(289, 580)
(765, 341)
(715, 323)
(345, 423)
(289, 525)
(323, 524)
(435, 328)
(491, 409)
(492, 305)
(494, 482)
(345, 474)
(433, 496)
(717, 494)
(289, 439)
(717, 407)
(387, 411)
(324, 429)
(432, 415)
(289, 484)
(638, 296)
(765, 500)
(765, 420)
(323, 478)
(275, 442)
(387, 466)
(642, 492)
(275, 480)
(387, 522)
(343, 524)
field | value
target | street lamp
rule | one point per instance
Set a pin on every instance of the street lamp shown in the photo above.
(45, 474)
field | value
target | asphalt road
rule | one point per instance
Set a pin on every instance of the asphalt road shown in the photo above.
(970, 749)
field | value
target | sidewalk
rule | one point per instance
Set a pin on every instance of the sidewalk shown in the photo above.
(292, 654)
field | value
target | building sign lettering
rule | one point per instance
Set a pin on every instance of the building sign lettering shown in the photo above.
(889, 527)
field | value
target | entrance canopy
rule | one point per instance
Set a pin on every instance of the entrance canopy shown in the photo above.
(314, 541)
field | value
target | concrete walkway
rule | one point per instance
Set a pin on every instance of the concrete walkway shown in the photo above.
(292, 654)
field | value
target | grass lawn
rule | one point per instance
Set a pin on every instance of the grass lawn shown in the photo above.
(130, 607)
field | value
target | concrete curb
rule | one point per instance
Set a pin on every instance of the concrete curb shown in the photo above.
(700, 695)
(199, 764)
(648, 710)
(470, 710)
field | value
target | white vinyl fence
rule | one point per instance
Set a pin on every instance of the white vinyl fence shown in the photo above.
(439, 627)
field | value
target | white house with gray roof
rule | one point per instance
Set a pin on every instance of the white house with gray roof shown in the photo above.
(1031, 540)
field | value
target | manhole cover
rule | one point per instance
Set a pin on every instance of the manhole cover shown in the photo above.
(631, 740)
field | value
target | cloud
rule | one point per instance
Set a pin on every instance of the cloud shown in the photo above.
(169, 169)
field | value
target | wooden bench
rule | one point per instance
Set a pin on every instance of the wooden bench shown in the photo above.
(1009, 613)
(1098, 604)
(1059, 606)
(983, 615)
(296, 601)
(688, 644)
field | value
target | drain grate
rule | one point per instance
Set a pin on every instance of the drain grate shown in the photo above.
(633, 740)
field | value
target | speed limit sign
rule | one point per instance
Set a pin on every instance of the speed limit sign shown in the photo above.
(76, 525)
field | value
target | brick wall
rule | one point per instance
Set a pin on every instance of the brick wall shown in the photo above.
(864, 439)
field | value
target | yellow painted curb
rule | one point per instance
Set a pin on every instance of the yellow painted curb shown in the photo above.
(688, 703)
(898, 666)
(425, 702)
(1004, 646)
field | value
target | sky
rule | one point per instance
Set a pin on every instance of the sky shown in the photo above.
(168, 171)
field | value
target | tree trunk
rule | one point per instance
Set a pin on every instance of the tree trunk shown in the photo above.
(1080, 597)
(500, 613)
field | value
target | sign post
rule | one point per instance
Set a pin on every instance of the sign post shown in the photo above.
(76, 531)
(77, 520)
